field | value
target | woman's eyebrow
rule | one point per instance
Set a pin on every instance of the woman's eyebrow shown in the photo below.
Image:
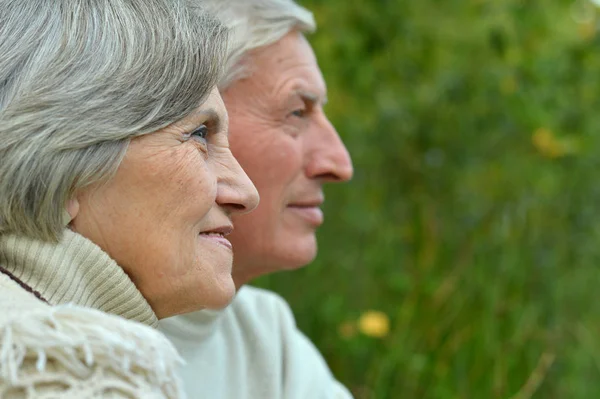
(210, 114)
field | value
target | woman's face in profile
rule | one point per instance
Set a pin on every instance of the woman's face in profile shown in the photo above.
(165, 215)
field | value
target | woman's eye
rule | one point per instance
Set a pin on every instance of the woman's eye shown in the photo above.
(299, 113)
(200, 133)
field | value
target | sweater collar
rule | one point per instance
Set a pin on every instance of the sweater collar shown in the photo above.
(200, 324)
(75, 270)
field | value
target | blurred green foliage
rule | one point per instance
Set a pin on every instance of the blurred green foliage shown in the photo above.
(472, 220)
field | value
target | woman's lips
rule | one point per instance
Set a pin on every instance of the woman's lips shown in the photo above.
(217, 238)
(311, 214)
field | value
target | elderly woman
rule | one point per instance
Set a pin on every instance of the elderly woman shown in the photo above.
(117, 188)
(275, 94)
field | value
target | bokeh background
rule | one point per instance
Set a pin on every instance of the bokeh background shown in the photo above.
(463, 259)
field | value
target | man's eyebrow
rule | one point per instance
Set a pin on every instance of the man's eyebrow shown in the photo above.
(312, 97)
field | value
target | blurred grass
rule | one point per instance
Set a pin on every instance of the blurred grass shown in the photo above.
(472, 220)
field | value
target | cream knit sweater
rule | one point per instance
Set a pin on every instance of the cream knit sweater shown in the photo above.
(63, 343)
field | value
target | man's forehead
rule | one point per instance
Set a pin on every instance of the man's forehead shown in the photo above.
(287, 71)
(291, 51)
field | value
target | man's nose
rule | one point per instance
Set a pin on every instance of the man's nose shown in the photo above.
(328, 158)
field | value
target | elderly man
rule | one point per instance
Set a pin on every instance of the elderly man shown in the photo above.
(274, 92)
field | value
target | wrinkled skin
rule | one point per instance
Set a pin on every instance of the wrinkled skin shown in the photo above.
(284, 141)
(172, 188)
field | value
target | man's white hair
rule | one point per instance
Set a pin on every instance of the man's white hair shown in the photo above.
(255, 24)
(78, 80)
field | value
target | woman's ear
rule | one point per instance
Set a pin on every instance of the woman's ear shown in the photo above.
(71, 211)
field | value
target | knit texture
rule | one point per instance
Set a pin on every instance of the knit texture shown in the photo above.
(250, 350)
(75, 271)
(66, 349)
(72, 352)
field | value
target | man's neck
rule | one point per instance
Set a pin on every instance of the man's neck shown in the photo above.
(246, 271)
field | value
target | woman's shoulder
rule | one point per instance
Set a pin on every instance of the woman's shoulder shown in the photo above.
(15, 299)
(73, 352)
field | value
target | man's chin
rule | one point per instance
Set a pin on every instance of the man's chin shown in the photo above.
(301, 254)
(291, 253)
(299, 262)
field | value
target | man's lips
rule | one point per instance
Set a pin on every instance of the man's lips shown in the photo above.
(308, 201)
(311, 213)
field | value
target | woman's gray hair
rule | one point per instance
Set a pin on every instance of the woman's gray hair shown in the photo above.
(255, 24)
(78, 80)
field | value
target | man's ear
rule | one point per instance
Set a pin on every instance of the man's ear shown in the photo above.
(71, 211)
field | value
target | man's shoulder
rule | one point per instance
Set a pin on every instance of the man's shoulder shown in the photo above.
(305, 372)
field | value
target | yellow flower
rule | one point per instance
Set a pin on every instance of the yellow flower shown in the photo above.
(550, 146)
(374, 324)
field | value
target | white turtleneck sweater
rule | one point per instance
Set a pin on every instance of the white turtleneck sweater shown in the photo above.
(250, 350)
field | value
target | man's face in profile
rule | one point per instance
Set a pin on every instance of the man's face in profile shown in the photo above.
(284, 141)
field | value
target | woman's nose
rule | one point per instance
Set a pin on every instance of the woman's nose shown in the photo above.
(236, 192)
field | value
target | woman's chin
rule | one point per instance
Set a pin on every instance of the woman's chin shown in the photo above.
(214, 296)
(223, 292)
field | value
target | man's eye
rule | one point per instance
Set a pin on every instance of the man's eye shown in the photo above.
(200, 133)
